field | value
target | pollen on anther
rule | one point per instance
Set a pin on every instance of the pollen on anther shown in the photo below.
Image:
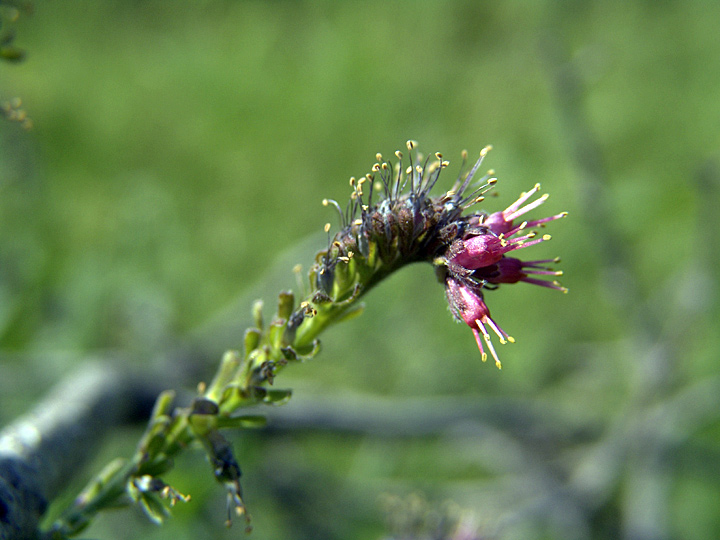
(485, 150)
(411, 144)
(438, 155)
(327, 227)
(398, 154)
(378, 157)
(546, 237)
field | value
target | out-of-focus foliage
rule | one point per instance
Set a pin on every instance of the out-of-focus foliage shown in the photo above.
(180, 151)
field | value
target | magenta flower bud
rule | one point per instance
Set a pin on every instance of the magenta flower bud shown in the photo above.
(467, 304)
(479, 251)
(487, 249)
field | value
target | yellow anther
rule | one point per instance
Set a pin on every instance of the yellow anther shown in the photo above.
(485, 150)
(445, 164)
(546, 237)
(327, 227)
(376, 167)
(398, 154)
(464, 154)
(378, 157)
(352, 181)
(438, 155)
(511, 339)
(325, 202)
(411, 144)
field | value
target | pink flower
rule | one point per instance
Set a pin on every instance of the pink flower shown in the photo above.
(467, 304)
(486, 249)
(511, 270)
(502, 222)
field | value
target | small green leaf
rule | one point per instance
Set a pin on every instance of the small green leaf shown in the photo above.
(277, 329)
(163, 403)
(308, 351)
(242, 422)
(257, 314)
(277, 397)
(286, 303)
(153, 507)
(252, 339)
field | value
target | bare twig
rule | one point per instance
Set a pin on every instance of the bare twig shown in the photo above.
(44, 449)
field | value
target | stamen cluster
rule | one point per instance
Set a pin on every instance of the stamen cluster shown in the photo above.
(470, 252)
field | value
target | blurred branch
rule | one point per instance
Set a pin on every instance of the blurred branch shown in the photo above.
(426, 417)
(43, 450)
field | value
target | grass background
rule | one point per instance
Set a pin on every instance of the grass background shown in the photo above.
(175, 170)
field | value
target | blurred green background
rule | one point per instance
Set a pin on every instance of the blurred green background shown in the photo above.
(174, 173)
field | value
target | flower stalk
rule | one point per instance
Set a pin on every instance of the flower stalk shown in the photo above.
(391, 220)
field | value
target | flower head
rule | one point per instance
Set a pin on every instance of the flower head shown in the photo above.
(392, 220)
